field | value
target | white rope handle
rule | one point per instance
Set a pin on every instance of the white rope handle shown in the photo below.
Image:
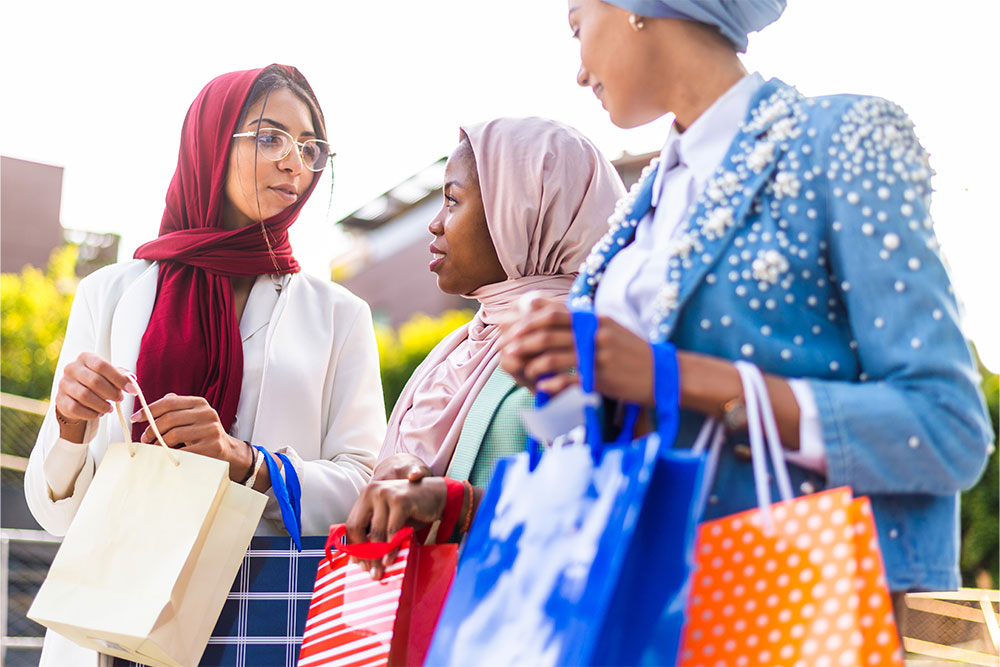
(760, 414)
(127, 430)
(773, 437)
(710, 437)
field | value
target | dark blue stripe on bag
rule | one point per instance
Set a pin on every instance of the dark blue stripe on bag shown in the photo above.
(288, 513)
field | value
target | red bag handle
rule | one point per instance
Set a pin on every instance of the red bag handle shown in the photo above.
(364, 550)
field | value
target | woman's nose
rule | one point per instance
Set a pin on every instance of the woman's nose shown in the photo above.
(582, 77)
(436, 225)
(292, 162)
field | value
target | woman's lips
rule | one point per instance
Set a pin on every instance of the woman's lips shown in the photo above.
(599, 94)
(285, 192)
(436, 258)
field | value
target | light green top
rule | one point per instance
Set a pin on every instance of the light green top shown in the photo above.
(492, 429)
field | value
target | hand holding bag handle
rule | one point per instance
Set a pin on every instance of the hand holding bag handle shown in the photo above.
(127, 430)
(364, 550)
(288, 497)
(666, 386)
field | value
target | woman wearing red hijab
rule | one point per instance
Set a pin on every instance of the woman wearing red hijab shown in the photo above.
(229, 342)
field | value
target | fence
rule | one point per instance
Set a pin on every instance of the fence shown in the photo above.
(25, 553)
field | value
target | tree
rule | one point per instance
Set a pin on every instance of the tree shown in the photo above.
(34, 309)
(402, 350)
(981, 507)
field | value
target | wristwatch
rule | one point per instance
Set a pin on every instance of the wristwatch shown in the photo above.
(734, 414)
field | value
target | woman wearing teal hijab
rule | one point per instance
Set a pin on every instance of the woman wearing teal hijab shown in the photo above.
(790, 232)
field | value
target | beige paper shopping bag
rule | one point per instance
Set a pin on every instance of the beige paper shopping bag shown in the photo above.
(145, 567)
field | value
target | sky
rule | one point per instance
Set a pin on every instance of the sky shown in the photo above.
(101, 88)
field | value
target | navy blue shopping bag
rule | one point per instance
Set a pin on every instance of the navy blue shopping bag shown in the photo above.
(580, 555)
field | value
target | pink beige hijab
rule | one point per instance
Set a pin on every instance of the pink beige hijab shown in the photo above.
(547, 193)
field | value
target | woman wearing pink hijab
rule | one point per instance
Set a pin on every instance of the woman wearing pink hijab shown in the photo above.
(524, 201)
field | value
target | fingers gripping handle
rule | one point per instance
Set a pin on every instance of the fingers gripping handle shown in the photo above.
(666, 385)
(127, 430)
(365, 550)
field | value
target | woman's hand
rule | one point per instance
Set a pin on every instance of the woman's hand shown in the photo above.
(386, 506)
(88, 386)
(541, 346)
(401, 466)
(190, 422)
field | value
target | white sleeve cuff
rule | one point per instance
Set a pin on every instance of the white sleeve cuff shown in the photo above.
(812, 450)
(62, 466)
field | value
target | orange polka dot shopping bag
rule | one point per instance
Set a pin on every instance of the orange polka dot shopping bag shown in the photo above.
(797, 582)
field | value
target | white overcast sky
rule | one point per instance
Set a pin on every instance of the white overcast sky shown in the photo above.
(101, 88)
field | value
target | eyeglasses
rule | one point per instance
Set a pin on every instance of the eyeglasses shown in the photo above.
(275, 144)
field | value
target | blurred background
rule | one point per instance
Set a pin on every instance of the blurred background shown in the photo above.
(96, 93)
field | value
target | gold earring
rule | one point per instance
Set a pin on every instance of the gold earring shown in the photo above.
(636, 22)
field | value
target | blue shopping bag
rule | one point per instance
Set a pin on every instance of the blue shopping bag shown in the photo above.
(579, 555)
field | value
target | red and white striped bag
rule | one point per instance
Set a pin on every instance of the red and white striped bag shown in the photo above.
(358, 622)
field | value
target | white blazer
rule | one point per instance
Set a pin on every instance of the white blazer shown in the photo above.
(320, 398)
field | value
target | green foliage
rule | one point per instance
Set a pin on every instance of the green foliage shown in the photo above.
(401, 351)
(34, 309)
(981, 507)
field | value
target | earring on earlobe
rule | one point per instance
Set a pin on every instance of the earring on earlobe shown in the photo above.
(636, 22)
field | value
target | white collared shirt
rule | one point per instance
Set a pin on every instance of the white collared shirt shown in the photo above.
(634, 276)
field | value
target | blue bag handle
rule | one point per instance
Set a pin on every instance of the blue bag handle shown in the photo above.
(534, 447)
(290, 513)
(666, 391)
(294, 489)
(584, 339)
(666, 386)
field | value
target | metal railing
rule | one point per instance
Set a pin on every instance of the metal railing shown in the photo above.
(25, 555)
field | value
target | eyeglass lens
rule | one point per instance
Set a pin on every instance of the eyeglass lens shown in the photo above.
(275, 144)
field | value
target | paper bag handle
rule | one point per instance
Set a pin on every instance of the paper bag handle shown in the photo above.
(364, 550)
(127, 430)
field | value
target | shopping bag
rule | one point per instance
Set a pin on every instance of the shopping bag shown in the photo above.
(264, 616)
(354, 620)
(800, 581)
(262, 619)
(576, 553)
(144, 568)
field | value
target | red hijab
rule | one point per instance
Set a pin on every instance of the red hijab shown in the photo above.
(192, 344)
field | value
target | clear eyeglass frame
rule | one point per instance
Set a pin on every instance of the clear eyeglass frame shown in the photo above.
(290, 141)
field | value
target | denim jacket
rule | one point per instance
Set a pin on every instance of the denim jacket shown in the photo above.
(811, 253)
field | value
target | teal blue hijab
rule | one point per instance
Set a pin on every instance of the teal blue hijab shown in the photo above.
(735, 19)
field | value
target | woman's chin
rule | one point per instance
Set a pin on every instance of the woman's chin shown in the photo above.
(628, 119)
(442, 285)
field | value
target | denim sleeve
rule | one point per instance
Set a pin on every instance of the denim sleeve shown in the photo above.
(915, 422)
